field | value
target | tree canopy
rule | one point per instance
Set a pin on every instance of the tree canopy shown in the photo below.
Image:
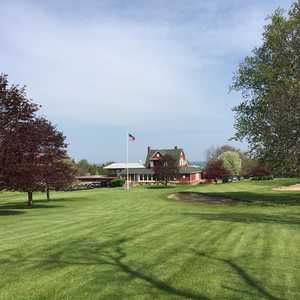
(84, 167)
(214, 152)
(30, 146)
(166, 169)
(232, 162)
(215, 170)
(269, 115)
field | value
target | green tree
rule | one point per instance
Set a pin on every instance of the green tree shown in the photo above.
(247, 166)
(83, 167)
(269, 115)
(232, 162)
(93, 169)
(214, 152)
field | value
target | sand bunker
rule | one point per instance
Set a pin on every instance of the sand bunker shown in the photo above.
(290, 188)
(196, 197)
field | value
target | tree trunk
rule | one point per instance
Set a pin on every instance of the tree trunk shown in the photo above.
(166, 182)
(29, 199)
(48, 193)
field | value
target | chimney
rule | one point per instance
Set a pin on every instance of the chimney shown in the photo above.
(149, 148)
(176, 148)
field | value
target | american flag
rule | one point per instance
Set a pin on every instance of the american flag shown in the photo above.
(131, 137)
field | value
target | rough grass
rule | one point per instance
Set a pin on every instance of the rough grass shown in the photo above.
(114, 244)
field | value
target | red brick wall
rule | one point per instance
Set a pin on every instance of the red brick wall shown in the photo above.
(190, 178)
(184, 179)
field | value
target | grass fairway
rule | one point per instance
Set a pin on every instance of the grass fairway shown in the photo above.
(113, 244)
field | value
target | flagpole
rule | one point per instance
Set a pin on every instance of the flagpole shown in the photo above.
(127, 182)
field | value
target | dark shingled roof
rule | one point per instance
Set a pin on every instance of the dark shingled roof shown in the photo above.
(175, 153)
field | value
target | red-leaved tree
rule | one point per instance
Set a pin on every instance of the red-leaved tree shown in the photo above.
(166, 169)
(215, 170)
(259, 170)
(28, 144)
(60, 173)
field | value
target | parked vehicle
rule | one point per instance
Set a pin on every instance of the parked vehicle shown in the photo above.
(96, 185)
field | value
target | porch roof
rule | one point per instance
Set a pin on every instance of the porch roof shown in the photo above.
(137, 171)
(119, 166)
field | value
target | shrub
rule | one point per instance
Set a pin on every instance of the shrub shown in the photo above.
(262, 178)
(117, 182)
(215, 170)
(261, 170)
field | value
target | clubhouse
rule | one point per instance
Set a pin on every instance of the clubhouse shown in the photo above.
(144, 173)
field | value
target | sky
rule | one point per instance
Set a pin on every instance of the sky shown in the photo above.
(160, 69)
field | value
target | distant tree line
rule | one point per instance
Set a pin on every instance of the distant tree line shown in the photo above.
(33, 153)
(226, 161)
(85, 168)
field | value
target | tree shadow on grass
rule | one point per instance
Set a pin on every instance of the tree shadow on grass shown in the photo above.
(160, 187)
(4, 213)
(85, 253)
(53, 200)
(20, 205)
(246, 218)
(246, 277)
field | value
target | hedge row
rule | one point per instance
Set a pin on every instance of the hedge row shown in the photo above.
(117, 182)
(262, 178)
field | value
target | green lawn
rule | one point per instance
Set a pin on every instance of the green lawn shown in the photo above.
(114, 244)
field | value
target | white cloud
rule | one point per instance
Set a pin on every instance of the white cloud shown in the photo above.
(116, 71)
(160, 66)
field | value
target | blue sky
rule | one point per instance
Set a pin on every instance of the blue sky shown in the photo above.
(160, 69)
